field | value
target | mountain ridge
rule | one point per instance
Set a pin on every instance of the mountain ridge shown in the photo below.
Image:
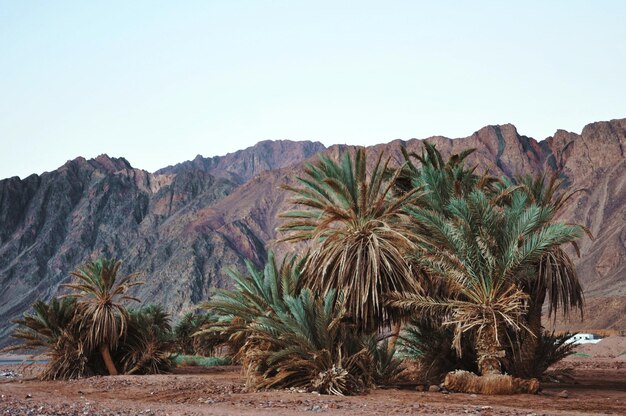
(185, 224)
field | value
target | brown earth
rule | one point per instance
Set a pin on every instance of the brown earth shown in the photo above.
(598, 387)
(581, 385)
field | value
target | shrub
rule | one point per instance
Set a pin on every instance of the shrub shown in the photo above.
(54, 328)
(430, 344)
(550, 350)
(307, 345)
(146, 348)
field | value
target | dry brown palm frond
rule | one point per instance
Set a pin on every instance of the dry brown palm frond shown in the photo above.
(466, 382)
(557, 276)
(69, 357)
(366, 264)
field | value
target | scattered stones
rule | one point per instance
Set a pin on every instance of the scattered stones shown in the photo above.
(420, 387)
(564, 394)
(434, 388)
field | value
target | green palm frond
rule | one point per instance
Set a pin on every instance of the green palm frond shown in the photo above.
(553, 272)
(257, 293)
(442, 180)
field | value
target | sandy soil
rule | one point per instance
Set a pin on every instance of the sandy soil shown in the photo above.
(592, 385)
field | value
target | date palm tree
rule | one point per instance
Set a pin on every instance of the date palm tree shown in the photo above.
(53, 327)
(48, 322)
(477, 251)
(289, 337)
(99, 294)
(359, 234)
(307, 344)
(553, 277)
(258, 292)
(441, 179)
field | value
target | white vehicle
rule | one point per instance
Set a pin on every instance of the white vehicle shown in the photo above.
(584, 339)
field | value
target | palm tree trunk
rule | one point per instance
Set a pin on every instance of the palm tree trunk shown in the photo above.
(108, 361)
(491, 379)
(489, 352)
(530, 339)
(394, 337)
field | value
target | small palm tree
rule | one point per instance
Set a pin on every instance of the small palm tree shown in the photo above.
(147, 344)
(189, 324)
(43, 327)
(258, 293)
(359, 233)
(99, 293)
(295, 337)
(308, 345)
(53, 327)
(477, 250)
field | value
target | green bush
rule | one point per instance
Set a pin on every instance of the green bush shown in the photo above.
(198, 361)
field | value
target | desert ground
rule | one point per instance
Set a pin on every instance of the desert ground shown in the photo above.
(591, 382)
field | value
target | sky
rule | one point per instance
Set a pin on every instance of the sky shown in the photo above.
(158, 82)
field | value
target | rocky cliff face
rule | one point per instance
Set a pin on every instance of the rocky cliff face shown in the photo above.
(185, 225)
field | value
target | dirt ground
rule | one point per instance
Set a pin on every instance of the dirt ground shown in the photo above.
(586, 385)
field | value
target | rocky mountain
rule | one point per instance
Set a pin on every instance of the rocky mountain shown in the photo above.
(185, 225)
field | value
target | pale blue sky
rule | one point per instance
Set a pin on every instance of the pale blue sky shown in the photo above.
(158, 82)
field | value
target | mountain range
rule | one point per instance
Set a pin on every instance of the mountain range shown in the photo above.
(185, 225)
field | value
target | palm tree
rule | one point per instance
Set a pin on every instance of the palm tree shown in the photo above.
(189, 324)
(147, 344)
(53, 327)
(477, 250)
(289, 337)
(98, 292)
(43, 327)
(441, 180)
(307, 344)
(553, 276)
(359, 232)
(258, 293)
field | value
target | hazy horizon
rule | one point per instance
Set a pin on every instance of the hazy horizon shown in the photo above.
(158, 83)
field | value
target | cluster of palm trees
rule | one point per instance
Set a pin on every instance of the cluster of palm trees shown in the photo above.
(429, 244)
(462, 263)
(91, 331)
